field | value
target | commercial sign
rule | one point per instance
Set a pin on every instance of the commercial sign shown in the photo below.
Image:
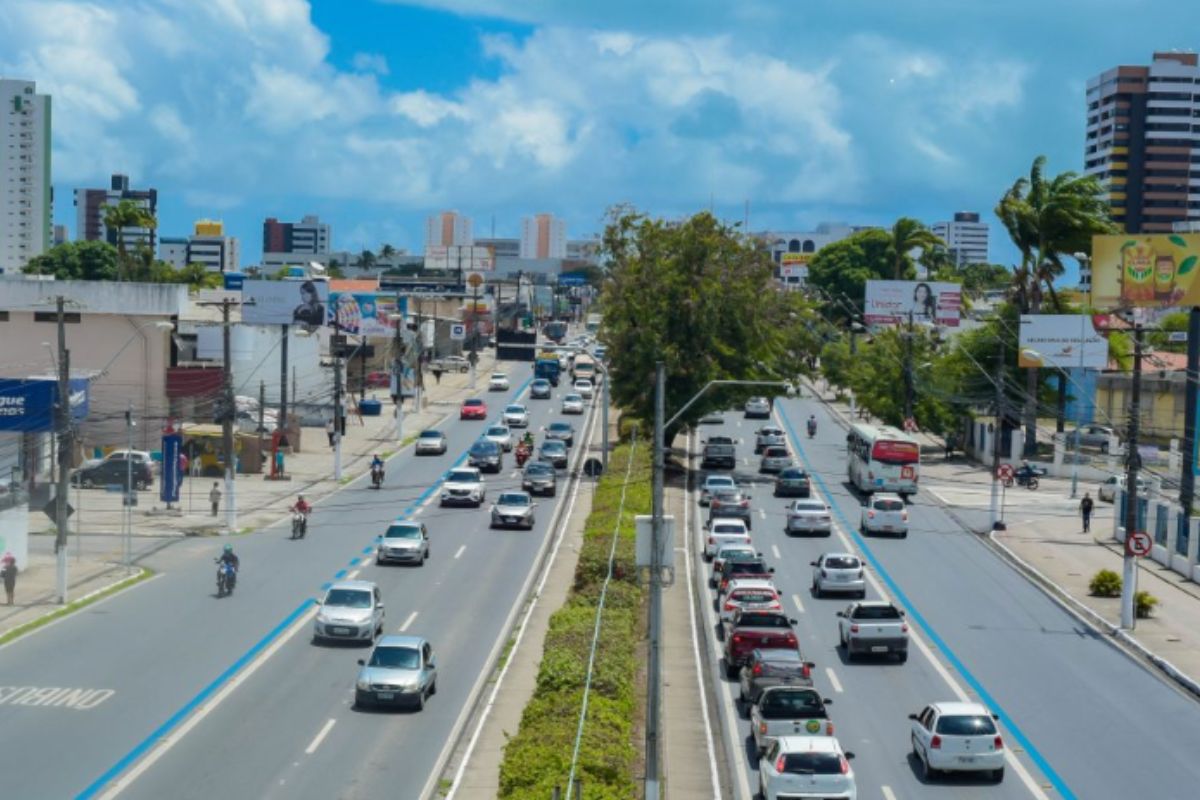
(367, 314)
(1139, 271)
(1061, 341)
(572, 279)
(27, 404)
(466, 258)
(928, 303)
(287, 302)
(410, 288)
(172, 475)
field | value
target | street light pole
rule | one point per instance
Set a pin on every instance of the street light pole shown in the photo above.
(129, 494)
(1132, 465)
(997, 426)
(63, 426)
(654, 666)
(1079, 408)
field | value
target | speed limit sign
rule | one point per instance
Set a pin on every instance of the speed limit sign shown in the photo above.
(1139, 543)
(1004, 472)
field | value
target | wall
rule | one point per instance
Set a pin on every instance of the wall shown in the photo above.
(1162, 401)
(256, 357)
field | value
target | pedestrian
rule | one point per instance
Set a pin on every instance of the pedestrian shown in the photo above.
(329, 430)
(214, 497)
(437, 374)
(8, 569)
(1085, 509)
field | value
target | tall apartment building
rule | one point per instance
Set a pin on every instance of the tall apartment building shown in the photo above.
(965, 236)
(26, 193)
(208, 245)
(448, 228)
(543, 236)
(1143, 141)
(89, 214)
(309, 236)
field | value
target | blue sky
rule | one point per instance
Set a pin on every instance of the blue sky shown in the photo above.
(375, 114)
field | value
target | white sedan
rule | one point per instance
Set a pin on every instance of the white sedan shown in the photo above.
(838, 572)
(885, 513)
(501, 435)
(809, 516)
(806, 766)
(498, 382)
(516, 416)
(584, 387)
(572, 404)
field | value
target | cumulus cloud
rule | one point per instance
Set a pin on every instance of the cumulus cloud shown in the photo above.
(370, 62)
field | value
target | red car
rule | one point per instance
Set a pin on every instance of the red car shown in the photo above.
(473, 408)
(379, 380)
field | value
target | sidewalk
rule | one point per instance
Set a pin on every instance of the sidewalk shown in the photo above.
(96, 547)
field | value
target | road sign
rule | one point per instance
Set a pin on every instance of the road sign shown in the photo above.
(1139, 543)
(475, 280)
(1005, 472)
(51, 508)
(458, 331)
(1177, 336)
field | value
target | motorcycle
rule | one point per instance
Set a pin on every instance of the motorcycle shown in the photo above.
(376, 477)
(299, 524)
(226, 577)
(812, 429)
(522, 454)
(1027, 477)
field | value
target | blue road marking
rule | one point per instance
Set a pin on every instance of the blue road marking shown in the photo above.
(1034, 754)
(369, 548)
(341, 573)
(354, 561)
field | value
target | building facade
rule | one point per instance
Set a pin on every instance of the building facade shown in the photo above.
(309, 236)
(208, 245)
(1142, 141)
(26, 192)
(89, 214)
(966, 238)
(543, 236)
(447, 229)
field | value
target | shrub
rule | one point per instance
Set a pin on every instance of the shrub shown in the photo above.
(1105, 583)
(1143, 604)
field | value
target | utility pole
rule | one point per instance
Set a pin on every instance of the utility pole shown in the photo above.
(908, 370)
(1079, 399)
(338, 421)
(474, 357)
(227, 422)
(283, 377)
(420, 344)
(64, 450)
(1132, 465)
(1187, 476)
(398, 371)
(129, 491)
(997, 427)
(654, 667)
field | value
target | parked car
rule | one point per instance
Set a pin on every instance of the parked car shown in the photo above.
(452, 364)
(723, 531)
(486, 455)
(400, 671)
(730, 503)
(769, 436)
(350, 611)
(404, 542)
(379, 380)
(775, 459)
(563, 431)
(876, 627)
(748, 631)
(473, 408)
(957, 737)
(130, 476)
(431, 442)
(838, 572)
(788, 710)
(773, 667)
(516, 416)
(539, 477)
(572, 404)
(513, 510)
(792, 482)
(463, 486)
(498, 382)
(712, 483)
(808, 516)
(1100, 436)
(757, 408)
(753, 594)
(501, 435)
(540, 389)
(806, 766)
(555, 452)
(885, 513)
(1108, 490)
(137, 456)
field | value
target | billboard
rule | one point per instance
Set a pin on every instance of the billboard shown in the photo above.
(172, 475)
(27, 404)
(1061, 341)
(286, 302)
(465, 257)
(929, 303)
(1144, 271)
(367, 314)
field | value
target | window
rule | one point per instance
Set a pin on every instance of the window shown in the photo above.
(813, 764)
(52, 316)
(966, 726)
(876, 612)
(840, 562)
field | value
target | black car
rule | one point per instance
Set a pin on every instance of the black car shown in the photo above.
(115, 472)
(486, 455)
(792, 482)
(563, 431)
(554, 451)
(539, 477)
(718, 456)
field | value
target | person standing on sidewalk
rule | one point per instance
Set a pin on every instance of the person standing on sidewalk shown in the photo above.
(1085, 509)
(214, 497)
(329, 430)
(8, 569)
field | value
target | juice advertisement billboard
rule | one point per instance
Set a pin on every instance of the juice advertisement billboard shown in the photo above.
(1145, 271)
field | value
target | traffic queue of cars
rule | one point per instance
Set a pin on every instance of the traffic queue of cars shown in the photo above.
(790, 724)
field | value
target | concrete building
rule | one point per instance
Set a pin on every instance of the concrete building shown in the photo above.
(60, 235)
(89, 214)
(543, 236)
(448, 228)
(26, 192)
(1142, 141)
(309, 236)
(208, 245)
(966, 238)
(583, 251)
(791, 250)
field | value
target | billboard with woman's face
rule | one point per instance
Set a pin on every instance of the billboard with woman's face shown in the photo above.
(924, 302)
(287, 302)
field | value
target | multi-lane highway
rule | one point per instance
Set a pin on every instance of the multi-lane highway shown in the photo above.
(1080, 718)
(230, 698)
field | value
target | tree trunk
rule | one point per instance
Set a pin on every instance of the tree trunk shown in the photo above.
(1060, 422)
(1031, 397)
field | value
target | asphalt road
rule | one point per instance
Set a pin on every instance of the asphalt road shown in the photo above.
(169, 651)
(1082, 719)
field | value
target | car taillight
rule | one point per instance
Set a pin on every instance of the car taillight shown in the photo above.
(870, 515)
(904, 627)
(844, 764)
(998, 743)
(737, 638)
(779, 764)
(791, 639)
(806, 671)
(854, 628)
(730, 605)
(828, 728)
(904, 516)
(762, 728)
(936, 743)
(745, 504)
(758, 669)
(711, 540)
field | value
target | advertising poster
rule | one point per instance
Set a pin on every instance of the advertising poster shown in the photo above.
(464, 257)
(929, 303)
(289, 302)
(27, 404)
(1061, 341)
(168, 485)
(1145, 271)
(365, 314)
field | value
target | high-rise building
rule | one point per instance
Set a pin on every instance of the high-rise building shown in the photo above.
(448, 228)
(89, 214)
(60, 235)
(309, 236)
(543, 236)
(965, 236)
(208, 245)
(26, 193)
(1142, 143)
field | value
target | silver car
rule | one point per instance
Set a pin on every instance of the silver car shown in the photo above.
(838, 572)
(403, 542)
(775, 459)
(757, 408)
(400, 671)
(463, 486)
(572, 404)
(513, 510)
(516, 416)
(351, 611)
(501, 435)
(712, 483)
(431, 442)
(809, 516)
(540, 477)
(769, 436)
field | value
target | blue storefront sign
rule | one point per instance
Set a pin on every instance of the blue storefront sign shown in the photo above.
(27, 404)
(168, 487)
(234, 281)
(572, 279)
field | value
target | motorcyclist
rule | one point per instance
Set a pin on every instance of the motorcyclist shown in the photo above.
(303, 509)
(812, 424)
(377, 467)
(229, 557)
(527, 440)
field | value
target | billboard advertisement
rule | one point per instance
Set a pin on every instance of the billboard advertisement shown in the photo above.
(366, 314)
(929, 303)
(1145, 271)
(172, 475)
(27, 404)
(287, 302)
(1061, 341)
(465, 257)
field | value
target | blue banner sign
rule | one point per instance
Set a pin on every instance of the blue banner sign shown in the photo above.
(27, 404)
(168, 487)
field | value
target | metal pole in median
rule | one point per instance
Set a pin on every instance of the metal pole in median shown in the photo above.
(283, 377)
(653, 690)
(1132, 465)
(129, 491)
(227, 423)
(64, 451)
(996, 427)
(337, 414)
(1187, 475)
(1079, 407)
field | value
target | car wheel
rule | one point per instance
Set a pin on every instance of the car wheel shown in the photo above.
(816, 589)
(927, 772)
(903, 534)
(731, 670)
(998, 775)
(360, 700)
(420, 701)
(902, 656)
(378, 561)
(433, 687)
(1104, 448)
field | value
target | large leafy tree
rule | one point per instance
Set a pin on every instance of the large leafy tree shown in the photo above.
(696, 296)
(78, 261)
(908, 234)
(842, 269)
(127, 214)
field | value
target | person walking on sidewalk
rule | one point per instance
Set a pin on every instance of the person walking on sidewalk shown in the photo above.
(1085, 509)
(214, 497)
(329, 430)
(8, 569)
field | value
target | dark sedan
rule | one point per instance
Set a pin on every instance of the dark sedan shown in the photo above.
(115, 472)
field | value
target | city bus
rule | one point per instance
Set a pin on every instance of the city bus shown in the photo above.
(592, 324)
(882, 459)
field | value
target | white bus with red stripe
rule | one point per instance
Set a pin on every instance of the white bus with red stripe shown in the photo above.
(882, 459)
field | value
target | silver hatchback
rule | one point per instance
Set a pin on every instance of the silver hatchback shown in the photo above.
(400, 671)
(351, 611)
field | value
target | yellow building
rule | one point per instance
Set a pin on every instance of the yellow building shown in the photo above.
(209, 227)
(1164, 383)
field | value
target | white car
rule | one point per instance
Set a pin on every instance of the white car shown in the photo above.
(808, 516)
(516, 416)
(501, 435)
(513, 510)
(431, 441)
(806, 766)
(885, 513)
(498, 382)
(463, 486)
(712, 483)
(957, 737)
(723, 531)
(749, 594)
(572, 404)
(757, 408)
(584, 388)
(838, 572)
(1108, 490)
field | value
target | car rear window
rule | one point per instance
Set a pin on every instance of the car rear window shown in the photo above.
(876, 612)
(472, 402)
(431, 434)
(841, 562)
(812, 764)
(728, 529)
(791, 705)
(964, 725)
(811, 506)
(747, 568)
(395, 658)
(889, 505)
(753, 596)
(764, 621)
(775, 452)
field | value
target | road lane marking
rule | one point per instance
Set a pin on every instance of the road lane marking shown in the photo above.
(775, 552)
(408, 621)
(799, 605)
(352, 575)
(320, 737)
(762, 513)
(833, 680)
(460, 550)
(54, 696)
(419, 511)
(888, 794)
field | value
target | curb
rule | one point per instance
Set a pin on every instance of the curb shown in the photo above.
(110, 589)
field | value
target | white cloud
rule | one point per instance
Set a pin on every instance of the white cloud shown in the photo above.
(370, 62)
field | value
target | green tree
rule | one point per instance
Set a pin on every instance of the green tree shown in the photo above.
(365, 259)
(977, 278)
(696, 296)
(127, 214)
(198, 276)
(78, 261)
(1160, 338)
(842, 269)
(908, 234)
(387, 252)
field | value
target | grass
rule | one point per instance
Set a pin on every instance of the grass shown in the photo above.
(74, 606)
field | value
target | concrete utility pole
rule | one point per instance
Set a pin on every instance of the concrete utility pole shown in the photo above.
(338, 421)
(283, 377)
(227, 422)
(1132, 465)
(398, 351)
(654, 667)
(130, 495)
(63, 426)
(908, 370)
(1079, 400)
(1187, 476)
(997, 525)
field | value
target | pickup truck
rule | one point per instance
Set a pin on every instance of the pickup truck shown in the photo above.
(788, 711)
(718, 456)
(875, 627)
(748, 631)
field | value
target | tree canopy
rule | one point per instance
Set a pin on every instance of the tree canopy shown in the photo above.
(77, 261)
(844, 267)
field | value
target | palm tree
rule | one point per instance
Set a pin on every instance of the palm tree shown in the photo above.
(387, 252)
(908, 234)
(366, 259)
(126, 214)
(198, 276)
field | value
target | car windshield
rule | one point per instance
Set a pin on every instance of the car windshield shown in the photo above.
(497, 430)
(753, 596)
(720, 440)
(473, 403)
(877, 612)
(764, 621)
(727, 495)
(539, 468)
(572, 398)
(513, 499)
(841, 562)
(395, 658)
(515, 410)
(499, 376)
(962, 725)
(812, 764)
(348, 598)
(431, 434)
(736, 552)
(404, 532)
(889, 505)
(462, 476)
(808, 507)
(791, 704)
(560, 427)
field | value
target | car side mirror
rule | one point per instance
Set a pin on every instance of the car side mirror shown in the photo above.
(362, 663)
(826, 701)
(996, 717)
(771, 570)
(841, 614)
(903, 613)
(749, 497)
(913, 717)
(432, 663)
(812, 563)
(849, 756)
(793, 620)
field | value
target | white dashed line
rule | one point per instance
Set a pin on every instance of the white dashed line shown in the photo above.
(833, 680)
(762, 514)
(408, 622)
(775, 552)
(460, 550)
(888, 794)
(320, 737)
(352, 575)
(799, 605)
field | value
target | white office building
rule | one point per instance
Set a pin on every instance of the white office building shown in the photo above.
(208, 245)
(543, 236)
(966, 238)
(26, 194)
(448, 229)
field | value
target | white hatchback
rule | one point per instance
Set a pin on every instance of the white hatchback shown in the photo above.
(723, 531)
(957, 737)
(584, 388)
(498, 382)
(838, 572)
(885, 513)
(749, 594)
(806, 766)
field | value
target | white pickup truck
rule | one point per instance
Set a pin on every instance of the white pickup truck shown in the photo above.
(788, 711)
(875, 627)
